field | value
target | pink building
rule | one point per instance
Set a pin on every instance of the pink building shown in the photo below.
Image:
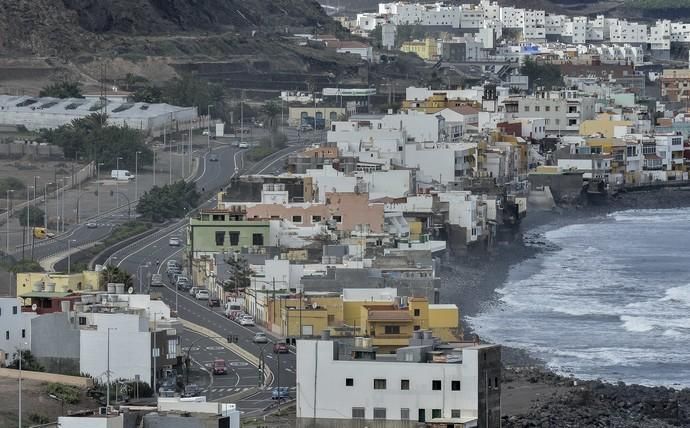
(348, 209)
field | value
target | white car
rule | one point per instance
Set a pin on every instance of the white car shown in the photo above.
(247, 320)
(202, 294)
(193, 290)
(174, 242)
(243, 145)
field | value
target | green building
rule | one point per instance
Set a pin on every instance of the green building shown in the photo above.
(213, 231)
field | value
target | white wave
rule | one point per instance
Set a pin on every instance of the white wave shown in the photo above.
(637, 324)
(678, 294)
(650, 215)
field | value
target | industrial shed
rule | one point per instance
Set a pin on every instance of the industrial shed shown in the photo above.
(45, 113)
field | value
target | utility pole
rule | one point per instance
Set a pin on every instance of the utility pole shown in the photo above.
(7, 223)
(98, 187)
(117, 179)
(136, 175)
(21, 356)
(208, 131)
(107, 394)
(155, 356)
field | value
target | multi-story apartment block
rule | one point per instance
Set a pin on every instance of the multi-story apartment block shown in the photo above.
(553, 26)
(534, 27)
(680, 32)
(675, 85)
(628, 32)
(561, 110)
(660, 36)
(15, 330)
(596, 29)
(457, 386)
(513, 17)
(471, 16)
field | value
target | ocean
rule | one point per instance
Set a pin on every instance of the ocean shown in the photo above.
(608, 298)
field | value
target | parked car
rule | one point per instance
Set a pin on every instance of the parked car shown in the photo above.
(183, 285)
(281, 348)
(193, 290)
(202, 294)
(213, 301)
(157, 280)
(91, 225)
(219, 367)
(174, 241)
(191, 390)
(280, 393)
(243, 145)
(204, 133)
(213, 158)
(172, 264)
(260, 338)
(247, 320)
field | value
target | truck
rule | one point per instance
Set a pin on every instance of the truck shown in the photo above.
(42, 233)
(121, 174)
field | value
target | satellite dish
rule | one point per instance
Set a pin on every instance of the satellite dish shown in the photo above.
(34, 307)
(315, 305)
(130, 290)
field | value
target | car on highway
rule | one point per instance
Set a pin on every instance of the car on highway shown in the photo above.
(182, 283)
(247, 320)
(281, 348)
(172, 264)
(193, 290)
(260, 337)
(157, 280)
(213, 158)
(219, 367)
(305, 128)
(280, 393)
(91, 225)
(174, 241)
(202, 294)
(204, 133)
(213, 301)
(243, 145)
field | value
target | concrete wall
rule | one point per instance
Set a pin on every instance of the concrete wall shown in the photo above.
(55, 343)
(36, 151)
(81, 382)
(564, 187)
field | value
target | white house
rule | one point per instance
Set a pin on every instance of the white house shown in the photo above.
(15, 328)
(460, 386)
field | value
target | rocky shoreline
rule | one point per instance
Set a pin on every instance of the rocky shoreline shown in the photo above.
(533, 395)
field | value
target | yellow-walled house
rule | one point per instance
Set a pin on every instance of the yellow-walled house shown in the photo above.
(605, 126)
(61, 282)
(426, 49)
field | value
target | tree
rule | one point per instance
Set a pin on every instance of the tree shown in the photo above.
(29, 362)
(63, 89)
(169, 201)
(93, 138)
(148, 94)
(10, 183)
(117, 275)
(36, 216)
(240, 274)
(547, 76)
(376, 36)
(26, 266)
(270, 112)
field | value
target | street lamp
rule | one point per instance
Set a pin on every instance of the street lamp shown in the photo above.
(7, 244)
(98, 186)
(145, 265)
(107, 373)
(27, 232)
(45, 204)
(21, 357)
(62, 402)
(69, 255)
(117, 167)
(136, 175)
(208, 135)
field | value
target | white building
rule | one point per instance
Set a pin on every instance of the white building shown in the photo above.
(461, 386)
(15, 328)
(628, 32)
(660, 35)
(534, 27)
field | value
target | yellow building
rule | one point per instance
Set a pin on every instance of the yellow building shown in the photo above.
(439, 101)
(605, 126)
(61, 282)
(426, 49)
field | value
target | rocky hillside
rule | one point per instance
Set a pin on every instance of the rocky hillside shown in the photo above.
(55, 27)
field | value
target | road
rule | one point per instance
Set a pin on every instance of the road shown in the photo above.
(155, 248)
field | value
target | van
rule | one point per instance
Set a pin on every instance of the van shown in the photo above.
(42, 233)
(121, 174)
(157, 280)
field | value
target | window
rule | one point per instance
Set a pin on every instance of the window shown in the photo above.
(234, 238)
(455, 413)
(455, 385)
(379, 383)
(392, 329)
(7, 335)
(23, 333)
(526, 108)
(82, 320)
(297, 219)
(405, 414)
(405, 384)
(558, 121)
(556, 108)
(315, 219)
(436, 385)
(436, 413)
(220, 238)
(338, 218)
(14, 310)
(537, 108)
(349, 381)
(257, 239)
(416, 328)
(358, 413)
(547, 108)
(379, 413)
(172, 347)
(496, 382)
(218, 217)
(416, 312)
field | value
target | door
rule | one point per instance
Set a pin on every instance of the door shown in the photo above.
(422, 416)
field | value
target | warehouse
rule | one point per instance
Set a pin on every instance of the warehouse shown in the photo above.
(36, 113)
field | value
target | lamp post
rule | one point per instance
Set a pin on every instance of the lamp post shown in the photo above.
(107, 373)
(154, 165)
(208, 134)
(145, 265)
(21, 357)
(27, 230)
(117, 167)
(136, 173)
(45, 204)
(7, 223)
(69, 255)
(98, 187)
(62, 403)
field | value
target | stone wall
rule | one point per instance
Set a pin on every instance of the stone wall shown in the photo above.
(20, 149)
